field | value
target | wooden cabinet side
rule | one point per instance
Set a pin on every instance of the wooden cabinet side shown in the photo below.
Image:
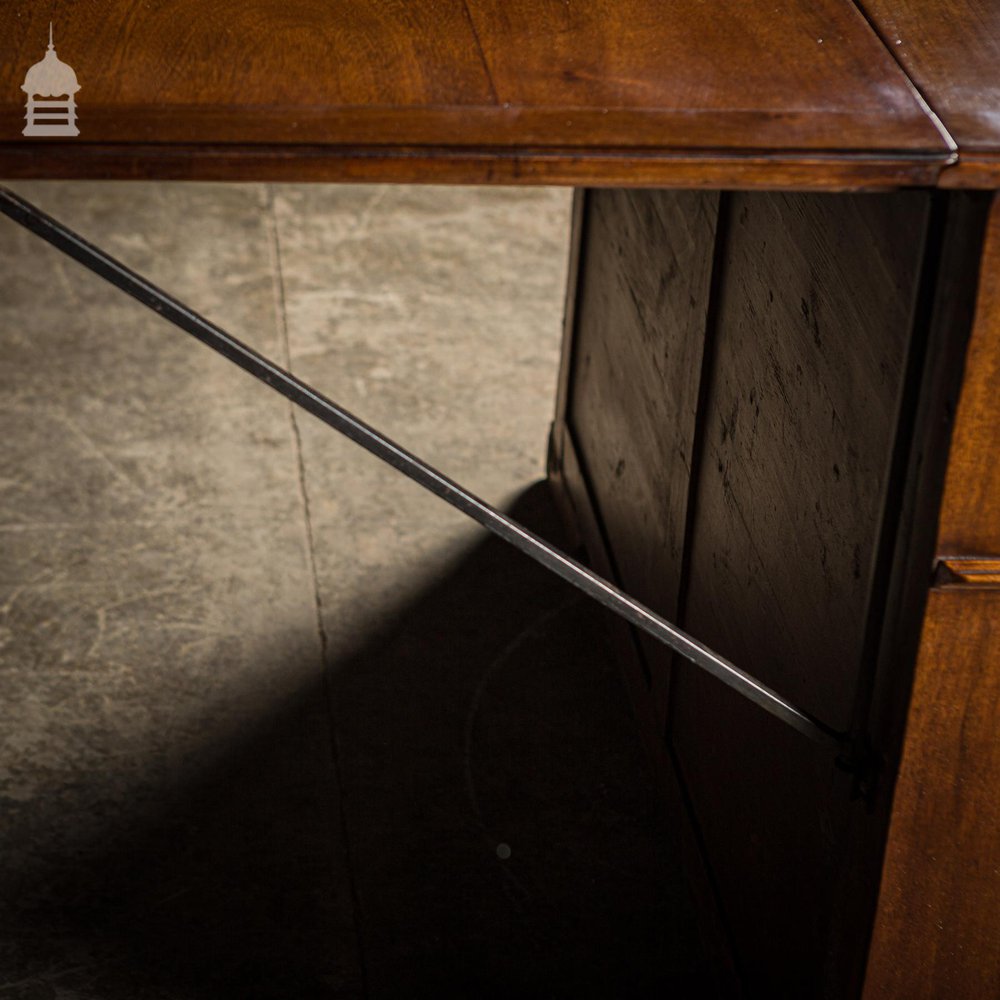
(937, 925)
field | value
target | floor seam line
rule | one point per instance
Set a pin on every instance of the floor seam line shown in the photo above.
(285, 347)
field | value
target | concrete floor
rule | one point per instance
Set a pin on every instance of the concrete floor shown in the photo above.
(274, 723)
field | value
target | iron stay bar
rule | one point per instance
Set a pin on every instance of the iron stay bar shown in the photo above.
(372, 440)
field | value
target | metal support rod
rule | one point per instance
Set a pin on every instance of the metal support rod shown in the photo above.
(303, 395)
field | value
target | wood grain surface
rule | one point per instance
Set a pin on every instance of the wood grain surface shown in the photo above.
(951, 51)
(807, 318)
(970, 510)
(681, 229)
(572, 494)
(464, 165)
(937, 927)
(814, 316)
(814, 319)
(807, 79)
(968, 572)
(640, 329)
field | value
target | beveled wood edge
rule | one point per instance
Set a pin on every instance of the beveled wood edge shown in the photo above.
(71, 160)
(967, 573)
(576, 507)
(973, 170)
(912, 131)
(973, 166)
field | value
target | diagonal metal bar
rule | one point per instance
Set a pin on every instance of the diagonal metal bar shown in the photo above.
(335, 416)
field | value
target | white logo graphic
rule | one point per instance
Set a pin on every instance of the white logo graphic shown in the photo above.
(51, 78)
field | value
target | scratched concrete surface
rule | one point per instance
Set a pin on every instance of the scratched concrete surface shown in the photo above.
(274, 723)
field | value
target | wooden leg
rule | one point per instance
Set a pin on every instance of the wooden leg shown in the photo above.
(937, 929)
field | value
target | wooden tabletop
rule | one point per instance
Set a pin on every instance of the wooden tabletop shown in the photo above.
(788, 93)
(951, 50)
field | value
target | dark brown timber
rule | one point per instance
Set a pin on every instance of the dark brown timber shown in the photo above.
(604, 92)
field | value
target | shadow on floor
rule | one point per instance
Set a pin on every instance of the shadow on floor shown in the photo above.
(504, 838)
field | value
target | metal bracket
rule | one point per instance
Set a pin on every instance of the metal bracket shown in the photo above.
(372, 440)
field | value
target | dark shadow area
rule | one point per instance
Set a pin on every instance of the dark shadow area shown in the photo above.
(504, 836)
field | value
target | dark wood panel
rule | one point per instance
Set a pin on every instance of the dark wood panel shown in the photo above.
(626, 245)
(795, 853)
(951, 50)
(938, 928)
(814, 319)
(804, 77)
(573, 497)
(815, 313)
(970, 511)
(944, 321)
(638, 339)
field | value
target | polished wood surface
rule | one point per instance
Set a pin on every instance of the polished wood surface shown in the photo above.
(453, 165)
(804, 82)
(951, 51)
(786, 526)
(937, 930)
(970, 510)
(968, 571)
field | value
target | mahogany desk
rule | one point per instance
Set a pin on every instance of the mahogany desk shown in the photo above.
(779, 411)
